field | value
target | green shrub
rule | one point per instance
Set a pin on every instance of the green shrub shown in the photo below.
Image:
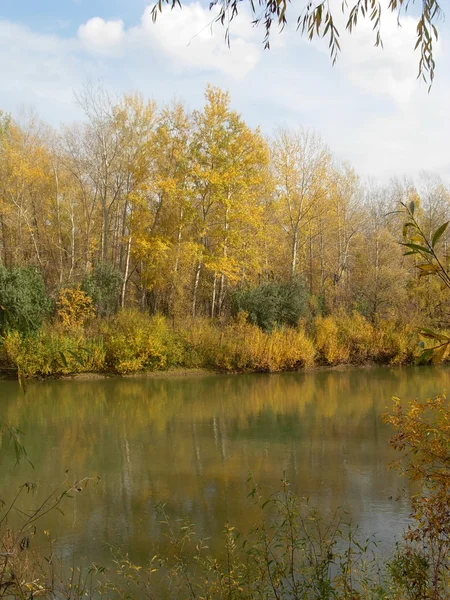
(23, 299)
(103, 286)
(272, 304)
(409, 570)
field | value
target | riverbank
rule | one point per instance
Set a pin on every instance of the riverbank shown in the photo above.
(132, 343)
(186, 373)
(179, 373)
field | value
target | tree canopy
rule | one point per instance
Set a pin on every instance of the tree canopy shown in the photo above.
(319, 20)
(182, 213)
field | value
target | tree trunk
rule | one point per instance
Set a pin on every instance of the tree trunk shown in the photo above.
(294, 254)
(72, 241)
(322, 266)
(58, 219)
(196, 283)
(125, 275)
(224, 255)
(213, 301)
(177, 263)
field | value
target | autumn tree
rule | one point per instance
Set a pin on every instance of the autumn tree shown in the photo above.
(300, 164)
(229, 169)
(163, 214)
(26, 187)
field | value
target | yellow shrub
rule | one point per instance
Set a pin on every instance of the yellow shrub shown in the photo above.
(283, 350)
(328, 340)
(241, 346)
(134, 342)
(357, 335)
(396, 345)
(344, 338)
(74, 307)
(51, 353)
(131, 341)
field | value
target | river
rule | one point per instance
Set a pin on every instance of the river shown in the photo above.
(191, 442)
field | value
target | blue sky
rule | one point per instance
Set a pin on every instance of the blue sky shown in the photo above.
(65, 16)
(369, 108)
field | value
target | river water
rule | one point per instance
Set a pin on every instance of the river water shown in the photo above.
(191, 442)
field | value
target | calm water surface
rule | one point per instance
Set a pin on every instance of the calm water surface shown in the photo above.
(191, 441)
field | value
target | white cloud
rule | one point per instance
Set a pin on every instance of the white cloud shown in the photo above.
(104, 37)
(408, 140)
(187, 37)
(191, 39)
(390, 70)
(38, 70)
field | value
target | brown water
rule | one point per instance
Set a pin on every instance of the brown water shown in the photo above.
(191, 443)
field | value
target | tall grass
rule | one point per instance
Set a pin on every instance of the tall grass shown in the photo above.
(132, 342)
(350, 338)
(241, 346)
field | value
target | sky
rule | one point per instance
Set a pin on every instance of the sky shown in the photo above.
(369, 108)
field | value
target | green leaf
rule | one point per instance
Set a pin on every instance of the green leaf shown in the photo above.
(78, 358)
(433, 335)
(425, 357)
(411, 207)
(416, 247)
(405, 228)
(88, 352)
(63, 358)
(438, 233)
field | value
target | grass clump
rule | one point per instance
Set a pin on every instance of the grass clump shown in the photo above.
(242, 346)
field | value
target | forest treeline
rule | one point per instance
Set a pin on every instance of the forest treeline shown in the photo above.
(195, 215)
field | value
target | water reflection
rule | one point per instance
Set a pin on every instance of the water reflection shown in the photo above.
(191, 442)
